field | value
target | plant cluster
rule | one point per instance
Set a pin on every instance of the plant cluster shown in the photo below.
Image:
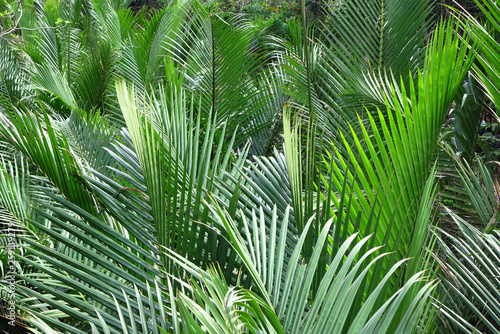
(196, 167)
(271, 17)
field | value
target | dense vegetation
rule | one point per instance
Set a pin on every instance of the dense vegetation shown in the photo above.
(220, 167)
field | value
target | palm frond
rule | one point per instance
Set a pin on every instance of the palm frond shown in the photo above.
(178, 166)
(219, 62)
(471, 274)
(92, 80)
(48, 149)
(488, 48)
(50, 80)
(483, 191)
(391, 171)
(156, 324)
(225, 309)
(13, 85)
(101, 260)
(285, 289)
(89, 137)
(378, 35)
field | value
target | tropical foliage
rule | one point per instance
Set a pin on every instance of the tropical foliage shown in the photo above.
(177, 169)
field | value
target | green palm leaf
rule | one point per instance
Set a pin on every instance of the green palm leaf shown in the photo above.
(385, 34)
(219, 62)
(391, 171)
(472, 277)
(284, 289)
(100, 260)
(174, 154)
(47, 148)
(13, 84)
(488, 48)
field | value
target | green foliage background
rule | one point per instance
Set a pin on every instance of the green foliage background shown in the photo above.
(249, 166)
